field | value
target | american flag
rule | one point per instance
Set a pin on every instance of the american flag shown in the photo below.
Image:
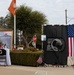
(70, 29)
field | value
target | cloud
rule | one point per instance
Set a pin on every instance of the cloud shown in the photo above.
(58, 1)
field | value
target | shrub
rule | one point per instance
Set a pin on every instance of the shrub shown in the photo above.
(27, 57)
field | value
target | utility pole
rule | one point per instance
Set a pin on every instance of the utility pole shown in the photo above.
(66, 16)
(42, 34)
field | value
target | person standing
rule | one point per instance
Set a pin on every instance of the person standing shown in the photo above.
(8, 60)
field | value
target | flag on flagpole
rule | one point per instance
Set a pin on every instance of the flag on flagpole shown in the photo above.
(12, 7)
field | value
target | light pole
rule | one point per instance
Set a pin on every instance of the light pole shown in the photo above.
(66, 16)
(43, 37)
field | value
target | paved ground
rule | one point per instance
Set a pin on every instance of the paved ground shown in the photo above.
(25, 70)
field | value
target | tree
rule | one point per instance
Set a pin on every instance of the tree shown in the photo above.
(2, 22)
(29, 22)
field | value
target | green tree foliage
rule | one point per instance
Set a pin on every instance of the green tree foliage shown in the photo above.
(2, 22)
(28, 21)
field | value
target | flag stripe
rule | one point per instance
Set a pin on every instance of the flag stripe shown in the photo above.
(70, 46)
(73, 47)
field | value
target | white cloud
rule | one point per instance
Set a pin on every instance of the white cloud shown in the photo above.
(58, 1)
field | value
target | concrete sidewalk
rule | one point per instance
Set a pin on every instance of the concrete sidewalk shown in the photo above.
(25, 70)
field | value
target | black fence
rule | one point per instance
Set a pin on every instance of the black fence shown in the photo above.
(56, 45)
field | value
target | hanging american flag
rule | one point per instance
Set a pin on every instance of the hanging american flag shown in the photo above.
(70, 30)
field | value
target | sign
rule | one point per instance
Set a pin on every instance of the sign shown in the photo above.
(6, 37)
(34, 38)
(34, 41)
(43, 37)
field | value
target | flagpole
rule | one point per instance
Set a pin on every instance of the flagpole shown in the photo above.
(12, 9)
(15, 25)
(14, 31)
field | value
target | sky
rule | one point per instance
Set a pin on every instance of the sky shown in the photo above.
(54, 10)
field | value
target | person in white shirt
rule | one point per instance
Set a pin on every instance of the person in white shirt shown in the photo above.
(8, 60)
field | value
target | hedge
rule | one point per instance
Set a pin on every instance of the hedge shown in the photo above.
(25, 58)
